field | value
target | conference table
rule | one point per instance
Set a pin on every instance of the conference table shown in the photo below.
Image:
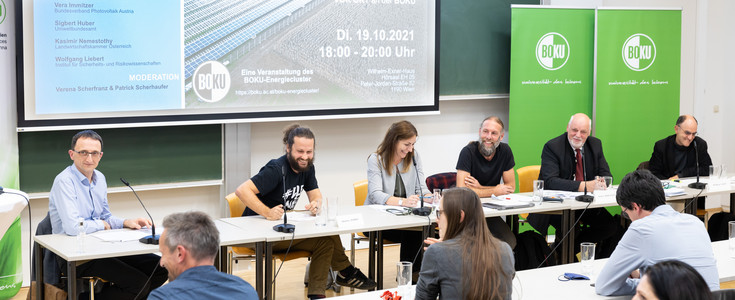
(258, 231)
(371, 219)
(67, 248)
(544, 283)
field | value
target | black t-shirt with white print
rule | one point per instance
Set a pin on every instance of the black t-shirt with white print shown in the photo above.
(270, 179)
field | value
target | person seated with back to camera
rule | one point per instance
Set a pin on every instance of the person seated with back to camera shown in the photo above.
(466, 262)
(396, 177)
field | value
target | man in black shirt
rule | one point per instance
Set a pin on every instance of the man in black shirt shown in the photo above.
(265, 194)
(675, 156)
(482, 164)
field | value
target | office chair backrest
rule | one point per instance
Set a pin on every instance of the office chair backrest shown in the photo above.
(441, 181)
(52, 272)
(236, 205)
(526, 176)
(360, 191)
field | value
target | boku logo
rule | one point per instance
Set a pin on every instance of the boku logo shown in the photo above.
(3, 11)
(552, 51)
(211, 81)
(639, 52)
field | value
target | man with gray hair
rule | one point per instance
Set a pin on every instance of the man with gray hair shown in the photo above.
(570, 162)
(188, 245)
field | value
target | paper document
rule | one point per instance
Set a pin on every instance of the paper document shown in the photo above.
(670, 192)
(123, 235)
(300, 216)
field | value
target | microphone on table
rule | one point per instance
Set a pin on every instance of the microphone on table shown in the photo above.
(420, 211)
(697, 185)
(149, 239)
(285, 227)
(585, 197)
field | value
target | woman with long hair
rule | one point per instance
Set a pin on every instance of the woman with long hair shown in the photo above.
(466, 262)
(395, 177)
(672, 280)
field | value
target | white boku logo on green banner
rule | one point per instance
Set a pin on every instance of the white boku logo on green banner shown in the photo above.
(639, 52)
(552, 51)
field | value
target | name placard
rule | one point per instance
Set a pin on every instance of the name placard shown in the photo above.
(350, 220)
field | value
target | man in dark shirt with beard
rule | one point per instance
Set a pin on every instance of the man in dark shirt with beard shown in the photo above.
(279, 183)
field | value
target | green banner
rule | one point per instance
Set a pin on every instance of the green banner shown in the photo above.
(550, 77)
(638, 78)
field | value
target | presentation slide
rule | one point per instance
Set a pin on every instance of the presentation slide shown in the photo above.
(107, 56)
(89, 61)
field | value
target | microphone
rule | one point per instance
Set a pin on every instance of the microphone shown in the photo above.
(420, 211)
(697, 185)
(285, 227)
(149, 239)
(585, 197)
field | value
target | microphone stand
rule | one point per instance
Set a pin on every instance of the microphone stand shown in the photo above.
(285, 227)
(585, 197)
(697, 185)
(419, 211)
(149, 239)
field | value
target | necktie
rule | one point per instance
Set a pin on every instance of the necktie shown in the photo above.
(579, 173)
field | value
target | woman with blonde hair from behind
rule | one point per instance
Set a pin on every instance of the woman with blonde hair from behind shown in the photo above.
(466, 262)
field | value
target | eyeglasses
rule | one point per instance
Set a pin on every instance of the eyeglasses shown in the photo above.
(686, 132)
(86, 153)
(438, 213)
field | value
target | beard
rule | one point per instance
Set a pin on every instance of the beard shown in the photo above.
(486, 151)
(293, 162)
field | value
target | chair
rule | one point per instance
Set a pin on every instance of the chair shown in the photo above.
(643, 165)
(526, 176)
(725, 294)
(441, 181)
(360, 188)
(53, 273)
(237, 207)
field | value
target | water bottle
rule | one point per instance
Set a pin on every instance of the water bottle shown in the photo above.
(81, 235)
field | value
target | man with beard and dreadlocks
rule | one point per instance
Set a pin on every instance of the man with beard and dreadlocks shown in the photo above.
(481, 166)
(277, 186)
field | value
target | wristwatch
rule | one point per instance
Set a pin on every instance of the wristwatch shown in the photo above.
(400, 202)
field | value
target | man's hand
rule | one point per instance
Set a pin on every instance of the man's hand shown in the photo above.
(675, 177)
(431, 241)
(471, 182)
(275, 213)
(107, 225)
(635, 274)
(503, 189)
(135, 223)
(313, 207)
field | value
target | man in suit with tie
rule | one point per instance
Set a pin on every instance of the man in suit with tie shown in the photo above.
(574, 161)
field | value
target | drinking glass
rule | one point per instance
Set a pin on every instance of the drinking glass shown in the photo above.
(587, 257)
(403, 277)
(332, 208)
(714, 172)
(608, 181)
(731, 228)
(437, 197)
(321, 215)
(538, 191)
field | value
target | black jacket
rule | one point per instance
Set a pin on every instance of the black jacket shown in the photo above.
(662, 159)
(558, 163)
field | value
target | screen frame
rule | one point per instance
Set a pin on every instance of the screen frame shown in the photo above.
(210, 118)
